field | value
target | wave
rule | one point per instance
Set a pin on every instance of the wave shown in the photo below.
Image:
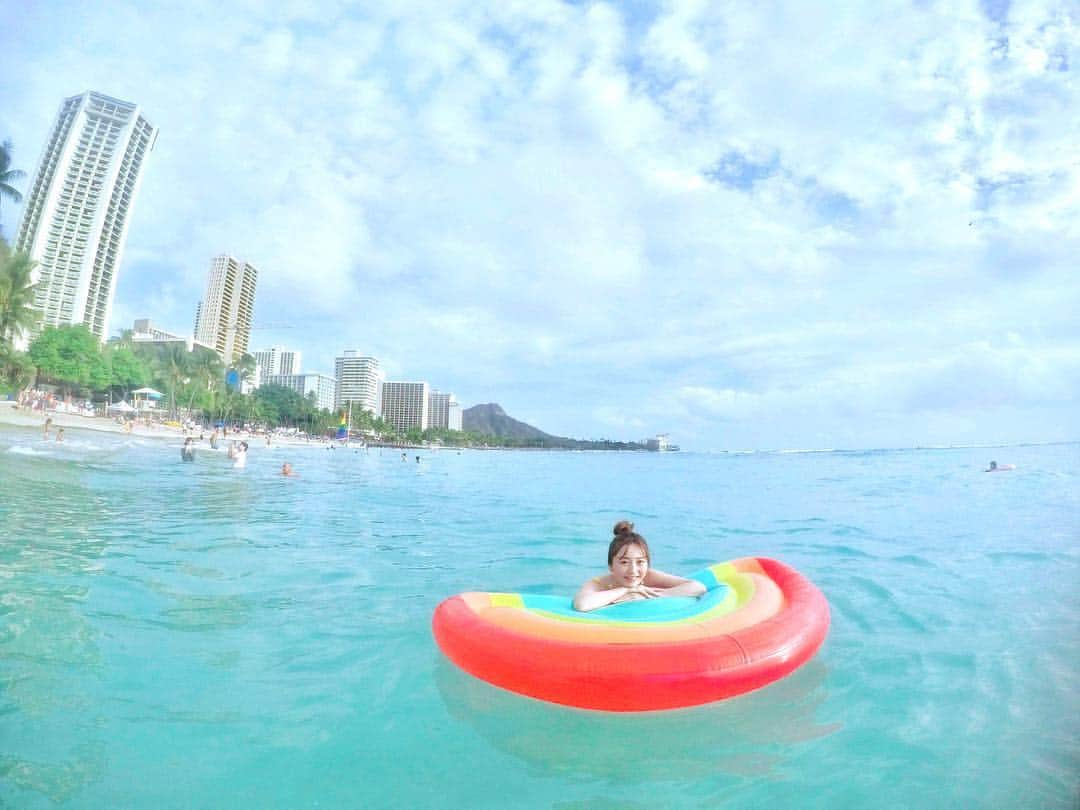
(20, 450)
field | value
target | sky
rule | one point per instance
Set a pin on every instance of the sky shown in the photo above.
(749, 225)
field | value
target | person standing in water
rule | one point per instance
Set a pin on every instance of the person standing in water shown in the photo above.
(187, 452)
(631, 576)
(60, 435)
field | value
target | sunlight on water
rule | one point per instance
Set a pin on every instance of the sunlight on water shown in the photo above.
(194, 635)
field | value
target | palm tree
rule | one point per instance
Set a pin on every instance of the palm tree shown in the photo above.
(16, 295)
(245, 369)
(174, 367)
(206, 367)
(15, 367)
(8, 175)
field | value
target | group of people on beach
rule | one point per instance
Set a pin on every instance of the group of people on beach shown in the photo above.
(32, 399)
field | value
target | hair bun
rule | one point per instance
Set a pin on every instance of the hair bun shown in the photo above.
(623, 527)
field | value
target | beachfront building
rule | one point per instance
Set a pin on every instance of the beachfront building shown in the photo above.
(144, 331)
(78, 209)
(305, 384)
(276, 360)
(360, 381)
(223, 318)
(443, 411)
(405, 405)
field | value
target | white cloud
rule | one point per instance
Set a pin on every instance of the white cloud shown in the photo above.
(514, 200)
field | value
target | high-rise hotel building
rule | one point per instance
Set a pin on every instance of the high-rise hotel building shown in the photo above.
(223, 318)
(443, 411)
(312, 386)
(278, 360)
(79, 206)
(360, 381)
(405, 405)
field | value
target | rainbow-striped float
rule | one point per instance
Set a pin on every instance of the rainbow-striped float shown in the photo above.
(758, 621)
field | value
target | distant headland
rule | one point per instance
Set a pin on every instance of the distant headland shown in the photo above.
(490, 421)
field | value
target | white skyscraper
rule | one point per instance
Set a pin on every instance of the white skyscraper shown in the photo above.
(79, 206)
(405, 405)
(359, 381)
(276, 360)
(223, 318)
(443, 411)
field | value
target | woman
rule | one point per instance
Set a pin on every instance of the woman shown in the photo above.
(630, 576)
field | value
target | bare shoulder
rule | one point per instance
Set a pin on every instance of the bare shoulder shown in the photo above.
(601, 582)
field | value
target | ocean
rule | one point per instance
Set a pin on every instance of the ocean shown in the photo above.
(190, 635)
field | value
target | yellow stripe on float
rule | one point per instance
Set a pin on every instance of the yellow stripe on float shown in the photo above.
(506, 600)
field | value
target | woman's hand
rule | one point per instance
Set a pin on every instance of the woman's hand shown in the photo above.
(593, 595)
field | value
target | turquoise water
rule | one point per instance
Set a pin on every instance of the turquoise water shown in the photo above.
(189, 635)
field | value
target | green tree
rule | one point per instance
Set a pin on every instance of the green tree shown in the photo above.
(8, 175)
(128, 371)
(70, 356)
(282, 405)
(173, 368)
(16, 370)
(16, 294)
(207, 373)
(245, 369)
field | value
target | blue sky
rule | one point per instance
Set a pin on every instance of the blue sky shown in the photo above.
(752, 225)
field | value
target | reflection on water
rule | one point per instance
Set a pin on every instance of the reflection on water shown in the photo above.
(744, 736)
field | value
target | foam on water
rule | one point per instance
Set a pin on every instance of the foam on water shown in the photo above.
(26, 450)
(191, 635)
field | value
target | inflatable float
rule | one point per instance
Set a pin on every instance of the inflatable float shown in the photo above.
(758, 621)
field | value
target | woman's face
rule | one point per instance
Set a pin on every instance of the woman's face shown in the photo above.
(629, 566)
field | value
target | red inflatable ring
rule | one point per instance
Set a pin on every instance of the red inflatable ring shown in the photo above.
(759, 621)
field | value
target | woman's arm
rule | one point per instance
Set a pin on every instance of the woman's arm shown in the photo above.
(671, 585)
(593, 595)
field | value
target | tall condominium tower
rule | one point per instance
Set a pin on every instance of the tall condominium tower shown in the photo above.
(79, 207)
(405, 404)
(443, 411)
(277, 360)
(223, 318)
(359, 381)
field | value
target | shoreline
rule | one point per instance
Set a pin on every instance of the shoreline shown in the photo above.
(18, 417)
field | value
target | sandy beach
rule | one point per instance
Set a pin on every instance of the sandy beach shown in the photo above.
(10, 415)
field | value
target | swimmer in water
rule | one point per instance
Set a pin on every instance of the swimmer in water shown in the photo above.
(630, 576)
(60, 435)
(288, 472)
(240, 456)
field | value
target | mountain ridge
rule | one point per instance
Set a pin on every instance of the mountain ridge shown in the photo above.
(489, 419)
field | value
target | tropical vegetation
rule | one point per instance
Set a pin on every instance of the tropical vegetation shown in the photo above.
(9, 175)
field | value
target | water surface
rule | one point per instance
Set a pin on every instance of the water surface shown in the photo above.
(179, 635)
